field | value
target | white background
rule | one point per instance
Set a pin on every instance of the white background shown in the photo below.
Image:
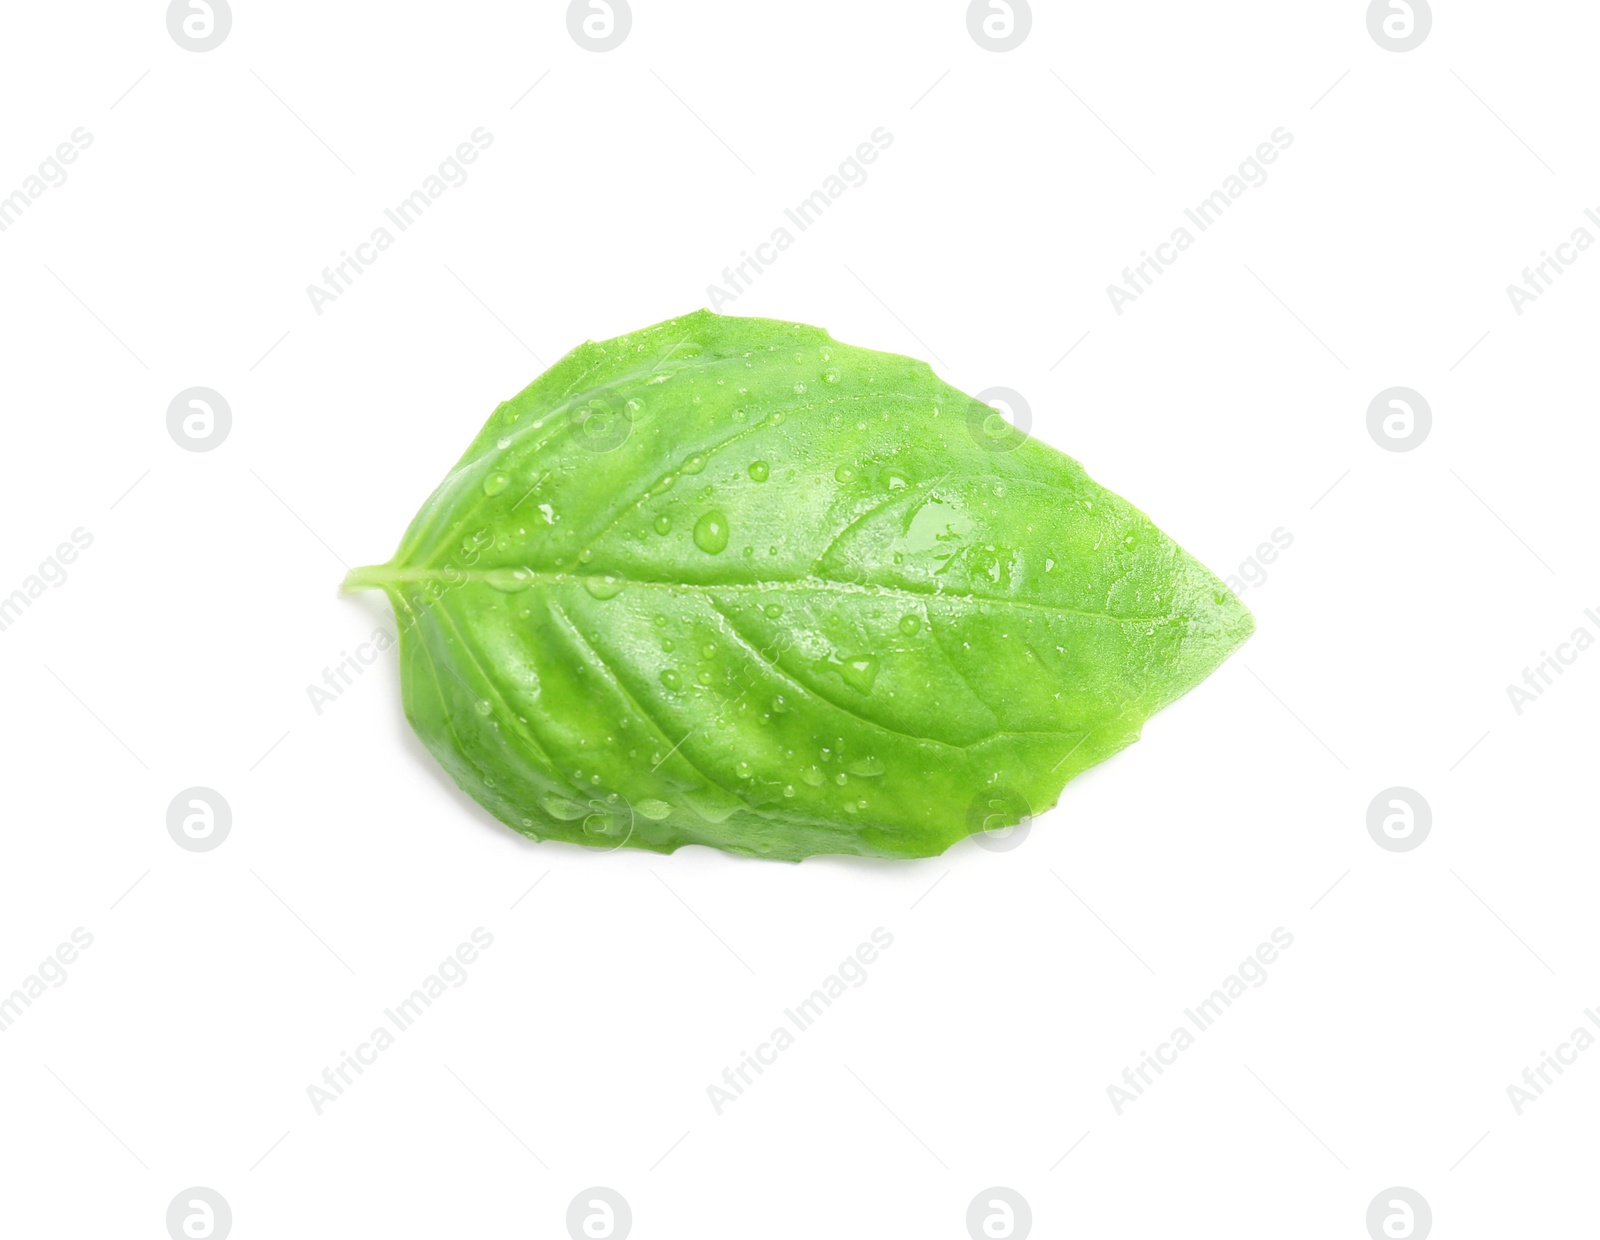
(1226, 402)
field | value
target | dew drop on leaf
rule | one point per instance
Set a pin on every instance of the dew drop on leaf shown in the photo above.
(909, 625)
(653, 809)
(671, 679)
(509, 580)
(760, 471)
(859, 671)
(484, 706)
(711, 533)
(773, 610)
(844, 474)
(830, 375)
(495, 483)
(663, 524)
(694, 465)
(604, 587)
(560, 807)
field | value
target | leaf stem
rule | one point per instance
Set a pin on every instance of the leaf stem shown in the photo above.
(368, 577)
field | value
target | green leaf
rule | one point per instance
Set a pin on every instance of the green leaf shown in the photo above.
(726, 581)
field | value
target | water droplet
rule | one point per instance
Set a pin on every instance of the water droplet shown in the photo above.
(509, 580)
(711, 533)
(831, 375)
(694, 465)
(859, 671)
(663, 524)
(503, 442)
(742, 770)
(841, 778)
(560, 807)
(664, 484)
(760, 471)
(484, 707)
(788, 790)
(868, 767)
(813, 775)
(799, 389)
(604, 587)
(495, 483)
(668, 644)
(635, 407)
(909, 625)
(704, 678)
(653, 809)
(780, 704)
(776, 419)
(671, 679)
(773, 610)
(585, 556)
(844, 474)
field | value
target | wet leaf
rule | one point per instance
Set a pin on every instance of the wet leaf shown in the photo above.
(726, 581)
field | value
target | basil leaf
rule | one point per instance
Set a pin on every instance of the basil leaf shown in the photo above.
(726, 581)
